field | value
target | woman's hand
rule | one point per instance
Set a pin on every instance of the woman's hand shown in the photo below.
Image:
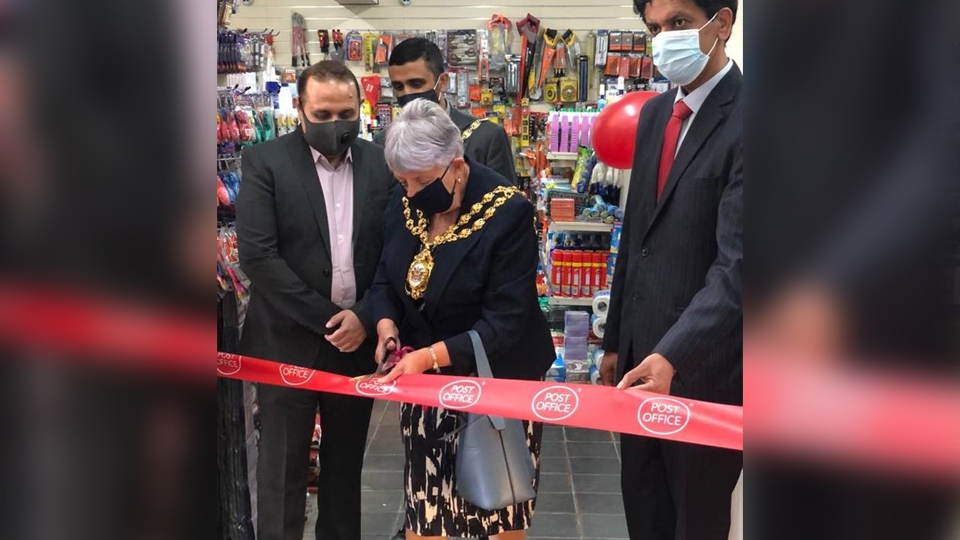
(386, 329)
(416, 362)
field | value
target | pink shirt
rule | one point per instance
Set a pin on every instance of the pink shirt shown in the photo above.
(337, 185)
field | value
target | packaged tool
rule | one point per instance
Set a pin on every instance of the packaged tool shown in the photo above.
(354, 46)
(483, 62)
(338, 53)
(499, 28)
(602, 48)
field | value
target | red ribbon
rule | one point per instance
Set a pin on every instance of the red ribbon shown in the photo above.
(577, 405)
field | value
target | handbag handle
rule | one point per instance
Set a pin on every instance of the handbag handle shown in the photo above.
(483, 370)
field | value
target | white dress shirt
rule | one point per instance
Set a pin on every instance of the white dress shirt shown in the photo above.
(337, 185)
(696, 98)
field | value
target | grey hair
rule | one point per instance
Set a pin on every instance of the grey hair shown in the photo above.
(422, 138)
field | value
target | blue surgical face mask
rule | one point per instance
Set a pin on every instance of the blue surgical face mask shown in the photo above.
(678, 56)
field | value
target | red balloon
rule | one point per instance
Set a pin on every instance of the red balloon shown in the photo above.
(615, 133)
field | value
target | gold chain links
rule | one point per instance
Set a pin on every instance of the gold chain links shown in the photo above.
(459, 230)
(473, 127)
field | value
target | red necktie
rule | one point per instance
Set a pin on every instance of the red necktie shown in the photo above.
(670, 139)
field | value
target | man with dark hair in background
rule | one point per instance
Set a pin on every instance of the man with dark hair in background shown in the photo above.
(676, 312)
(417, 71)
(309, 228)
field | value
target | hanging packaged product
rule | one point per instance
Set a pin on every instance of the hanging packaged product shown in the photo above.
(550, 41)
(646, 68)
(625, 62)
(613, 65)
(475, 93)
(383, 51)
(568, 90)
(486, 97)
(371, 88)
(354, 46)
(602, 47)
(550, 91)
(529, 29)
(635, 62)
(338, 52)
(640, 43)
(511, 83)
(616, 39)
(483, 61)
(499, 27)
(323, 36)
(463, 87)
(462, 48)
(525, 123)
(298, 37)
(370, 49)
(583, 78)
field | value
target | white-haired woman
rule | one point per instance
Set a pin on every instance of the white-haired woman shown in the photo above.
(460, 253)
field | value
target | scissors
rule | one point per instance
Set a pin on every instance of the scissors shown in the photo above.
(389, 361)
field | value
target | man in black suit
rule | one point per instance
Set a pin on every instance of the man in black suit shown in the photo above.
(675, 322)
(417, 71)
(309, 227)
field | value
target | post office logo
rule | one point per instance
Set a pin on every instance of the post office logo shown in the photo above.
(555, 403)
(228, 364)
(370, 387)
(295, 375)
(461, 394)
(663, 415)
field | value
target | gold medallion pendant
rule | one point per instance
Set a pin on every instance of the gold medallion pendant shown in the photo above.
(419, 273)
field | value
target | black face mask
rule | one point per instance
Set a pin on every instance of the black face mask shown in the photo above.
(331, 138)
(434, 199)
(430, 95)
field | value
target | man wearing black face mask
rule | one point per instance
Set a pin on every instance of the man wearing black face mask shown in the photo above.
(417, 72)
(309, 227)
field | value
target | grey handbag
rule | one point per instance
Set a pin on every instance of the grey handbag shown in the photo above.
(494, 467)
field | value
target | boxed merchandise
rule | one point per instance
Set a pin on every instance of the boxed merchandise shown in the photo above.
(563, 209)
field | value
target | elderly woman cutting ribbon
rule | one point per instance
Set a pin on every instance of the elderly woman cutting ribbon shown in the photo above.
(460, 254)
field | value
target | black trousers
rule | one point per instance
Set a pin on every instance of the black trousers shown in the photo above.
(677, 491)
(286, 426)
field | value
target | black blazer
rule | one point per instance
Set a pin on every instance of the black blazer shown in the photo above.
(486, 282)
(677, 289)
(284, 244)
(489, 144)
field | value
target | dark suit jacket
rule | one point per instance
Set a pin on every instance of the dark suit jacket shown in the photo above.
(488, 145)
(486, 282)
(677, 287)
(284, 246)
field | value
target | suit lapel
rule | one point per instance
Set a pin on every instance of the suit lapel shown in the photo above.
(447, 257)
(647, 161)
(708, 118)
(302, 160)
(361, 188)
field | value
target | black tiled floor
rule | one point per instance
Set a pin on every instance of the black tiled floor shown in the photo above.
(579, 483)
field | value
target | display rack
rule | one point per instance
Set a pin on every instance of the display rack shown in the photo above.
(581, 226)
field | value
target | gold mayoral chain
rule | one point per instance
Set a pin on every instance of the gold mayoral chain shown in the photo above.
(422, 266)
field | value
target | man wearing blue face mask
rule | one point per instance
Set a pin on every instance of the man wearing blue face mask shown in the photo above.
(676, 313)
(309, 229)
(416, 71)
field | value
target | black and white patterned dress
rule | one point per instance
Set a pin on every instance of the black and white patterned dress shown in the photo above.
(433, 506)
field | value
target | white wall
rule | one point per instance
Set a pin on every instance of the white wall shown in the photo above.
(577, 15)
